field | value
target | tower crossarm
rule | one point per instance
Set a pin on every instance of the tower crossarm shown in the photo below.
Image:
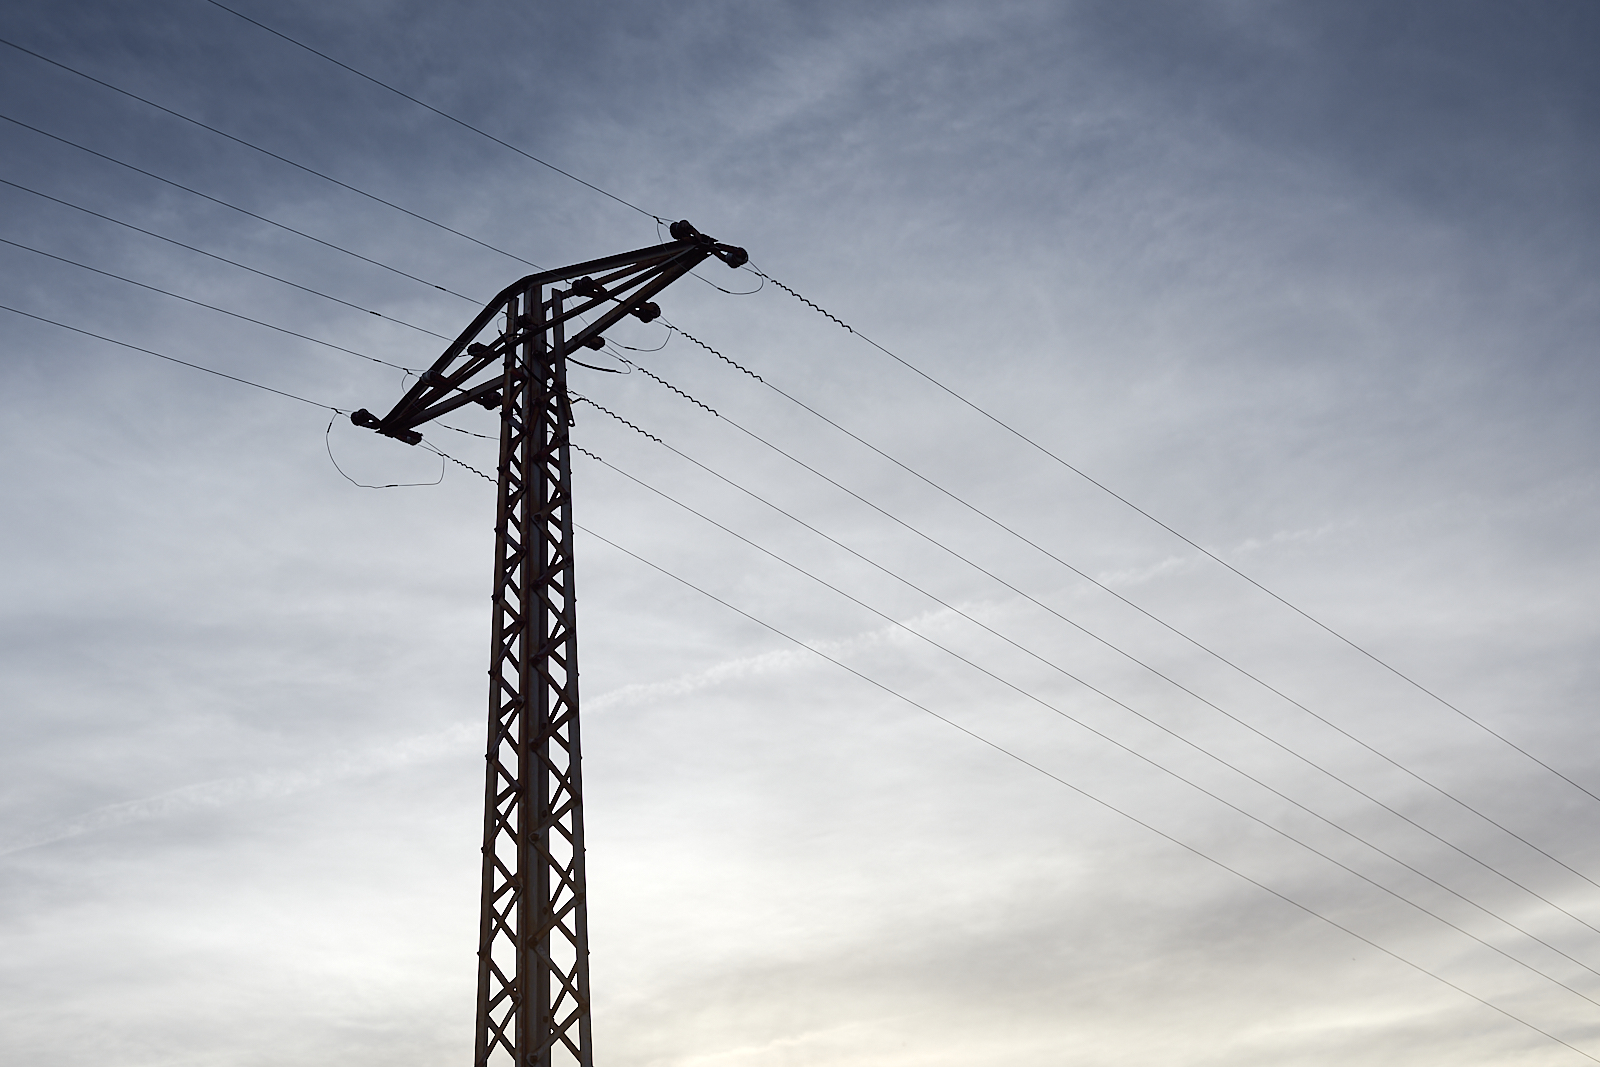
(467, 372)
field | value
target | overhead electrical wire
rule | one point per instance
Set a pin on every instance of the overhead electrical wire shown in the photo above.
(1019, 435)
(1159, 674)
(1010, 754)
(202, 303)
(225, 259)
(1219, 657)
(336, 411)
(741, 368)
(1096, 637)
(174, 359)
(346, 185)
(1086, 794)
(1154, 763)
(234, 207)
(268, 152)
(442, 114)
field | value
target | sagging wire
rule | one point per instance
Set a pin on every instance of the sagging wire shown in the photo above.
(327, 443)
(665, 341)
(759, 286)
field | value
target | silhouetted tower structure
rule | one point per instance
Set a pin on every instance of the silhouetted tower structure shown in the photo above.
(533, 936)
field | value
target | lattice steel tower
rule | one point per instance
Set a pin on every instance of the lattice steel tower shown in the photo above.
(533, 936)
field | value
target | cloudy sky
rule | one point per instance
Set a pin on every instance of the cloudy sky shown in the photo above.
(1310, 283)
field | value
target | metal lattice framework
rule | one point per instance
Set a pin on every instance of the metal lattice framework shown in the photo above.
(533, 937)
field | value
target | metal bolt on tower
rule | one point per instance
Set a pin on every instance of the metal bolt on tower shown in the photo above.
(533, 936)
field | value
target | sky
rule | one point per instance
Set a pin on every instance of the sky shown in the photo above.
(929, 715)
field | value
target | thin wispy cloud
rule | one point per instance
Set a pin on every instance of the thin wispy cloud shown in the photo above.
(1311, 284)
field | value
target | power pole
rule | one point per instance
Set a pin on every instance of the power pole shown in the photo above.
(533, 934)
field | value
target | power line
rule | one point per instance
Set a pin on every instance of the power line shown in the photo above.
(224, 259)
(1009, 754)
(174, 359)
(202, 303)
(1114, 593)
(442, 114)
(1151, 761)
(268, 152)
(1129, 656)
(1172, 733)
(234, 207)
(1019, 435)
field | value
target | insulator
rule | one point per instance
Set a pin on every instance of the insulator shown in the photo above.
(587, 286)
(733, 255)
(365, 419)
(491, 400)
(648, 311)
(596, 343)
(682, 230)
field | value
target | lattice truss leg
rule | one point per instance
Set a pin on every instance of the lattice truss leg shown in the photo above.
(533, 951)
